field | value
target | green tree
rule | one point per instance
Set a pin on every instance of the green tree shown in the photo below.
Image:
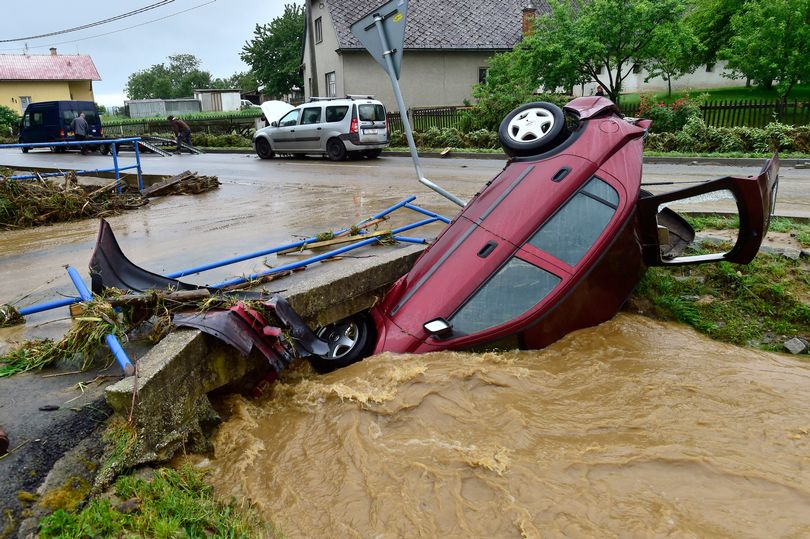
(675, 51)
(710, 21)
(8, 121)
(245, 81)
(177, 79)
(274, 53)
(599, 40)
(771, 43)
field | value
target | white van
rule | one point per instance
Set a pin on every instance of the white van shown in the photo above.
(335, 127)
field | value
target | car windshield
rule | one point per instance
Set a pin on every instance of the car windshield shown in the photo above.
(371, 113)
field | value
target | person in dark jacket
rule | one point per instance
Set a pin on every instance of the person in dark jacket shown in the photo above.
(80, 128)
(181, 130)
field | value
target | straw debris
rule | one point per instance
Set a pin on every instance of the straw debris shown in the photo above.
(27, 203)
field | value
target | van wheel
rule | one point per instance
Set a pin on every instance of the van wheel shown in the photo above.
(263, 149)
(24, 150)
(349, 340)
(104, 149)
(335, 150)
(532, 129)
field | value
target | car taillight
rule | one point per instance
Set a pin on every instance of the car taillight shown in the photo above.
(62, 133)
(354, 126)
(100, 130)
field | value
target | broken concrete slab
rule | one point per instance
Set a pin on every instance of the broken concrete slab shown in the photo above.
(796, 345)
(171, 387)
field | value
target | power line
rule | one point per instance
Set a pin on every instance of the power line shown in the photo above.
(93, 24)
(118, 30)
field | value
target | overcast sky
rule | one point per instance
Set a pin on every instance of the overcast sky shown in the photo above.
(214, 32)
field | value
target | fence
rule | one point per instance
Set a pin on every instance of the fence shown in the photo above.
(747, 113)
(222, 125)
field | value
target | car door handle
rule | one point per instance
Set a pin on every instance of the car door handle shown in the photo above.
(292, 130)
(320, 128)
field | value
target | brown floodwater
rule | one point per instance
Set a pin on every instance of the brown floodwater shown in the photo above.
(636, 428)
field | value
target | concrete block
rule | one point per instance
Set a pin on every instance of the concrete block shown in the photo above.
(796, 346)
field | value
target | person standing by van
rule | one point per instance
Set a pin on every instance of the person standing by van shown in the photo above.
(181, 130)
(80, 128)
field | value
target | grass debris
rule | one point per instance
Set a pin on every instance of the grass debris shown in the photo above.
(79, 346)
(26, 203)
(173, 503)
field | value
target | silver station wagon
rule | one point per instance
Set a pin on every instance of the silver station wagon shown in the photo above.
(353, 126)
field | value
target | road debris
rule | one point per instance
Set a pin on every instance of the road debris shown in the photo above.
(183, 184)
(40, 202)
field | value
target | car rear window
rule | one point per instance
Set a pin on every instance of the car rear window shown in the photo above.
(511, 292)
(371, 113)
(578, 224)
(89, 115)
(336, 114)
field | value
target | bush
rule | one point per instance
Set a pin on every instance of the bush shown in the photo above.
(8, 121)
(668, 118)
(697, 137)
(448, 137)
(220, 141)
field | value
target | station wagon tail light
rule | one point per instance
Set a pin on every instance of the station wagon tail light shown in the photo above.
(353, 128)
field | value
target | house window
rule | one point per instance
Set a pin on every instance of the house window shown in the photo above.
(25, 100)
(636, 68)
(318, 30)
(482, 75)
(709, 68)
(331, 84)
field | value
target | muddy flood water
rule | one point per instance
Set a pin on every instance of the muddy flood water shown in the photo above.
(636, 428)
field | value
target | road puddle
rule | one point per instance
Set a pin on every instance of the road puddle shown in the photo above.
(636, 428)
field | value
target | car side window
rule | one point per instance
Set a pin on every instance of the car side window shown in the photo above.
(336, 114)
(571, 232)
(512, 291)
(291, 118)
(311, 115)
(36, 119)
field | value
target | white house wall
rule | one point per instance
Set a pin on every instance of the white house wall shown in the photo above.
(700, 79)
(427, 78)
(327, 59)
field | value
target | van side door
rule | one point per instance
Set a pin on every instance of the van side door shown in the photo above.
(310, 129)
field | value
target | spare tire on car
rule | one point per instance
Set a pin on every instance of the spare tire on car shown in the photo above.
(532, 129)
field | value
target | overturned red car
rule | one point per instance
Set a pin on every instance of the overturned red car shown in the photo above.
(555, 243)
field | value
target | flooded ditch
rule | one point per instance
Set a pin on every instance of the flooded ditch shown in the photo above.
(635, 428)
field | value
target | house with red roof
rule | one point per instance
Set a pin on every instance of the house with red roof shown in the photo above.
(30, 78)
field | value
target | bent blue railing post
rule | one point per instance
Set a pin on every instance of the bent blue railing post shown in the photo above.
(115, 164)
(112, 341)
(135, 145)
(318, 258)
(429, 213)
(273, 250)
(33, 309)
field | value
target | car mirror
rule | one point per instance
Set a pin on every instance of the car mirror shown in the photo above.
(274, 124)
(439, 327)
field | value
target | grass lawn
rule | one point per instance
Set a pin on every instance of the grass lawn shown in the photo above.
(724, 94)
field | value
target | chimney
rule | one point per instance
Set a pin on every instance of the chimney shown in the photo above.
(53, 49)
(529, 13)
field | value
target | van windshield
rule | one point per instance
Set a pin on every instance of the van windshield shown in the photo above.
(371, 113)
(89, 115)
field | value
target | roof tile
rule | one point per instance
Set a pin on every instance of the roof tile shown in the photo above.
(47, 67)
(444, 24)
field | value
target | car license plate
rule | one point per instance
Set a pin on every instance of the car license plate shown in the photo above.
(370, 131)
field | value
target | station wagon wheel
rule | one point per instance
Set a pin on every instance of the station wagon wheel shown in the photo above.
(335, 150)
(349, 341)
(263, 149)
(532, 129)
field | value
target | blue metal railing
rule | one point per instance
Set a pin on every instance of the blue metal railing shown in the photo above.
(98, 142)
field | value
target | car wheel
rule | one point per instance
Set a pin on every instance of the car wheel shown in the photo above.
(24, 150)
(372, 154)
(263, 149)
(104, 149)
(349, 340)
(532, 129)
(335, 150)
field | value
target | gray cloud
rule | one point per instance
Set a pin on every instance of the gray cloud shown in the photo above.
(215, 33)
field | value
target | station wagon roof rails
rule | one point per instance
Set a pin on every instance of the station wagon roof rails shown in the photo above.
(353, 96)
(316, 98)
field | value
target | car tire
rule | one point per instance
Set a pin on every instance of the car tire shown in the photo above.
(336, 150)
(350, 340)
(263, 148)
(532, 129)
(104, 149)
(24, 150)
(372, 154)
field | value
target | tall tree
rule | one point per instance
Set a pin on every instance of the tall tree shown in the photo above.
(177, 79)
(675, 51)
(771, 43)
(710, 21)
(599, 40)
(245, 81)
(274, 53)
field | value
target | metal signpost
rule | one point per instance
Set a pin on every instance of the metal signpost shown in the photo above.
(377, 31)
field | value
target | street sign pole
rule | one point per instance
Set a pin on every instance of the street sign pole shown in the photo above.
(385, 55)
